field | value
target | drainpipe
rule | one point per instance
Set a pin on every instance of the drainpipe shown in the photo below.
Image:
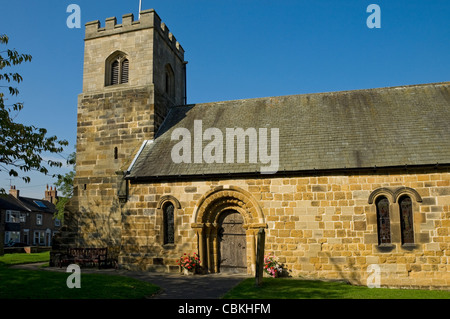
(185, 82)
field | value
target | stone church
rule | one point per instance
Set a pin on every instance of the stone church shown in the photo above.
(341, 182)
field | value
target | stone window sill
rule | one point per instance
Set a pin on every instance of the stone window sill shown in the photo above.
(385, 247)
(409, 246)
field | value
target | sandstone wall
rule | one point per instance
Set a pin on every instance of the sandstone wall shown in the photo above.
(317, 226)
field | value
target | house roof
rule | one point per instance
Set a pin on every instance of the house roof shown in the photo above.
(38, 205)
(382, 127)
(9, 202)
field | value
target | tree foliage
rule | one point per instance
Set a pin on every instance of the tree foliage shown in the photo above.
(21, 146)
(64, 184)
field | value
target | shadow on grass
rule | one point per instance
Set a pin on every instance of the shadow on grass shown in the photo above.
(40, 284)
(287, 288)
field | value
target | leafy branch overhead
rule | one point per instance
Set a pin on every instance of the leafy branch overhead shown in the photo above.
(21, 146)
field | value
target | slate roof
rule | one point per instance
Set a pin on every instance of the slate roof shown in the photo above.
(32, 205)
(9, 202)
(382, 127)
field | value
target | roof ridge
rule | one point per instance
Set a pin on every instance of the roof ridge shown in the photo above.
(317, 93)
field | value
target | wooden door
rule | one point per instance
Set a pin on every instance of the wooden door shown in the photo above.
(232, 243)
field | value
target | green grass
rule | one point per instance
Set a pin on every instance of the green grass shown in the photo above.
(14, 259)
(40, 284)
(290, 288)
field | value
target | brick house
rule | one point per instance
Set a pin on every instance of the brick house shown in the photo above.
(28, 221)
(340, 181)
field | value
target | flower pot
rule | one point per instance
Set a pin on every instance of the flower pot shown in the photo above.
(187, 272)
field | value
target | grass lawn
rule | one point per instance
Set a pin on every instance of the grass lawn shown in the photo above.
(14, 259)
(39, 284)
(290, 288)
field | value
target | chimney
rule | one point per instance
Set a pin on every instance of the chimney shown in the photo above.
(51, 195)
(14, 192)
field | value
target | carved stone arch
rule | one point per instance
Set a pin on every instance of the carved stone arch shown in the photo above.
(168, 198)
(407, 191)
(383, 191)
(115, 54)
(206, 224)
(231, 196)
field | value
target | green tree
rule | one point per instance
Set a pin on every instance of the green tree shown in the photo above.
(64, 184)
(21, 146)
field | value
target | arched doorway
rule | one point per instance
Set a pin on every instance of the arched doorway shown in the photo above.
(239, 214)
(232, 242)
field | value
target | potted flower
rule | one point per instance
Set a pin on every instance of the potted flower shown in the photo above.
(272, 267)
(189, 264)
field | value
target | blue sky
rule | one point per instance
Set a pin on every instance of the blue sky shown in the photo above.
(235, 49)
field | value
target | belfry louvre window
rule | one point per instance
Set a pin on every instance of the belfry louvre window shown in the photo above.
(124, 72)
(115, 72)
(117, 69)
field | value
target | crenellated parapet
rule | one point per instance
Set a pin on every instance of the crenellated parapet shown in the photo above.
(148, 19)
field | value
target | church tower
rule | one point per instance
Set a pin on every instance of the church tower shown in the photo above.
(134, 73)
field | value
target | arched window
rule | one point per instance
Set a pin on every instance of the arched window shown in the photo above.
(406, 219)
(169, 81)
(117, 69)
(384, 225)
(169, 227)
(124, 71)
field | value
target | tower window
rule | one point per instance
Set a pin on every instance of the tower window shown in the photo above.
(124, 72)
(169, 81)
(115, 72)
(117, 69)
